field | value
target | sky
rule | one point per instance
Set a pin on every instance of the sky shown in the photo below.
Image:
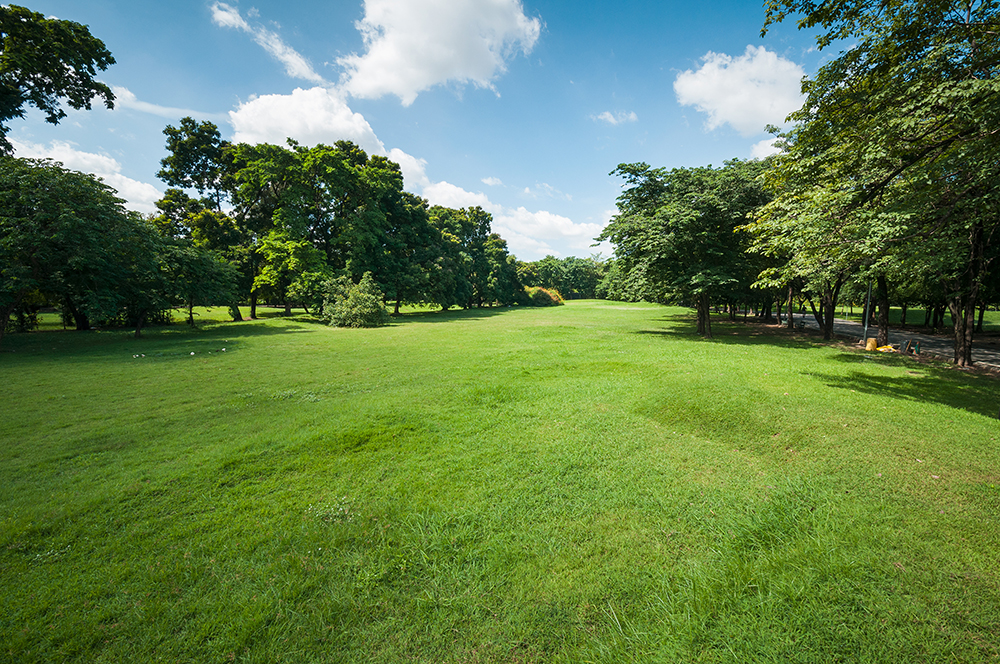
(523, 107)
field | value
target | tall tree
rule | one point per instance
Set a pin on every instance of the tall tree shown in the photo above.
(198, 159)
(65, 234)
(682, 227)
(903, 127)
(43, 60)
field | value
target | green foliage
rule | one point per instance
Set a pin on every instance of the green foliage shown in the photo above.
(45, 59)
(891, 168)
(348, 305)
(682, 229)
(543, 297)
(65, 234)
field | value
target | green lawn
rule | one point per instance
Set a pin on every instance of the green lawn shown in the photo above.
(590, 482)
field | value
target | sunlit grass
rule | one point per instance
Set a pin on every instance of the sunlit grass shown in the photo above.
(583, 483)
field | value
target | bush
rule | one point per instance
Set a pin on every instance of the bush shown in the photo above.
(347, 305)
(544, 297)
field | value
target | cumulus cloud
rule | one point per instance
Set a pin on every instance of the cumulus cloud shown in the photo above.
(765, 148)
(125, 98)
(617, 118)
(296, 66)
(530, 234)
(492, 182)
(413, 46)
(139, 196)
(312, 116)
(748, 92)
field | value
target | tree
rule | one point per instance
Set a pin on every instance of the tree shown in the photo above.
(681, 227)
(67, 235)
(43, 60)
(198, 159)
(902, 128)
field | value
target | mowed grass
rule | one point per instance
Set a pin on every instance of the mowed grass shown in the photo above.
(590, 482)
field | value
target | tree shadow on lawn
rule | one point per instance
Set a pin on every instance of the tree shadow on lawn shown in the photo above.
(439, 316)
(155, 340)
(749, 333)
(930, 382)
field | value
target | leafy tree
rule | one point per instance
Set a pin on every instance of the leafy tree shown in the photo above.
(197, 277)
(899, 133)
(67, 235)
(198, 159)
(285, 261)
(682, 227)
(43, 60)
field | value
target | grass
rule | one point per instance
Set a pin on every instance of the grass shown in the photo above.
(590, 482)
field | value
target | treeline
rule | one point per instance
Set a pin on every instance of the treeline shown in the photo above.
(888, 179)
(244, 224)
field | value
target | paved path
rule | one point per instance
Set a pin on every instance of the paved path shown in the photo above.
(986, 355)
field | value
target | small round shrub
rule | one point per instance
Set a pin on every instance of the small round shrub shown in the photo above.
(544, 297)
(355, 306)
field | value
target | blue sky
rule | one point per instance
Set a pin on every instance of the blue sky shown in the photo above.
(521, 107)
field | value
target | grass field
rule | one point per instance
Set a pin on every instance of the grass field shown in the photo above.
(590, 482)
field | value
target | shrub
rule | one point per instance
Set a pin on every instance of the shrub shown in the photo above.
(544, 297)
(347, 305)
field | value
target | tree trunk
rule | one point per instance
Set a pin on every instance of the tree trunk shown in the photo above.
(395, 310)
(191, 313)
(80, 318)
(902, 314)
(818, 315)
(704, 309)
(829, 311)
(288, 308)
(963, 314)
(234, 311)
(791, 308)
(982, 314)
(927, 316)
(138, 323)
(769, 312)
(253, 306)
(882, 338)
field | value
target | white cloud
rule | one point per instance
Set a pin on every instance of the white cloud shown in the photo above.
(309, 116)
(413, 46)
(492, 182)
(412, 167)
(125, 98)
(139, 196)
(765, 148)
(545, 189)
(617, 118)
(748, 92)
(296, 66)
(529, 234)
(453, 196)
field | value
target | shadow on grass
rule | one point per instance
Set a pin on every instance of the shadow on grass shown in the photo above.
(927, 382)
(439, 316)
(749, 333)
(940, 385)
(157, 339)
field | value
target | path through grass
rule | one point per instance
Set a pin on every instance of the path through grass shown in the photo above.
(583, 483)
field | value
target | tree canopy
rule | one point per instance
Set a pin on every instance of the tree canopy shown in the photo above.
(43, 60)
